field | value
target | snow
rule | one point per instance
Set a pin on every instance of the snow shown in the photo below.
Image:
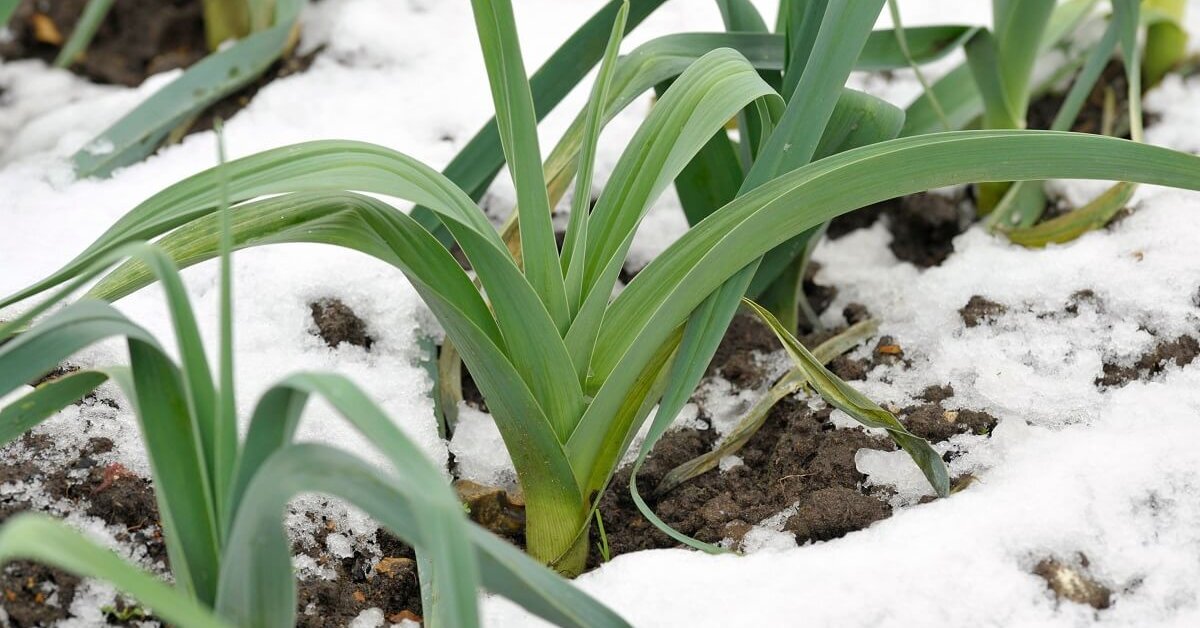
(1071, 468)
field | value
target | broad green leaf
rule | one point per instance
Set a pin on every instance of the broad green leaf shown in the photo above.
(1025, 202)
(517, 122)
(37, 537)
(1019, 26)
(741, 15)
(844, 397)
(7, 7)
(139, 132)
(956, 91)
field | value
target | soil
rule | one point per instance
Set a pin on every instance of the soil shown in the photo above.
(1070, 581)
(923, 226)
(1179, 352)
(35, 595)
(389, 583)
(980, 310)
(336, 323)
(137, 38)
(797, 460)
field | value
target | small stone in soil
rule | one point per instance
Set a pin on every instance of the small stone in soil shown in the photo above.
(493, 508)
(1072, 583)
(980, 310)
(337, 323)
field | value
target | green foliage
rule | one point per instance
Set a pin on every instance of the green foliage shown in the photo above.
(140, 131)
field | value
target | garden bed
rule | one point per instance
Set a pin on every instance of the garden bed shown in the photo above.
(1061, 385)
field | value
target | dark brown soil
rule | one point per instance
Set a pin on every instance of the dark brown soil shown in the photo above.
(35, 595)
(138, 38)
(795, 455)
(980, 310)
(923, 226)
(389, 583)
(1091, 116)
(337, 323)
(1179, 352)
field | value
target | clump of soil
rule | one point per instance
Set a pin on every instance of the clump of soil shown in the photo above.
(980, 310)
(1071, 582)
(337, 323)
(923, 226)
(1179, 351)
(935, 423)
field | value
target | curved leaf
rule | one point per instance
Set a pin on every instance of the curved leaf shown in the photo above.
(40, 538)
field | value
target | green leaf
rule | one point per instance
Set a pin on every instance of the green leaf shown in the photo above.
(699, 103)
(257, 587)
(46, 400)
(956, 90)
(792, 382)
(474, 167)
(7, 8)
(575, 243)
(37, 537)
(644, 316)
(403, 507)
(517, 123)
(140, 131)
(844, 397)
(1019, 26)
(93, 15)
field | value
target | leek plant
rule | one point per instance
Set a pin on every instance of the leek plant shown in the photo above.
(221, 499)
(570, 371)
(1002, 62)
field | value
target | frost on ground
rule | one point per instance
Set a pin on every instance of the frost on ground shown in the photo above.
(1073, 468)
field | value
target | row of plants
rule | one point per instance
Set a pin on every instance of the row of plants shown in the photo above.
(570, 372)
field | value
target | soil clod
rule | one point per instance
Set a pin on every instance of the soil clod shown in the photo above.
(493, 508)
(1072, 582)
(980, 310)
(337, 323)
(1180, 352)
(834, 512)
